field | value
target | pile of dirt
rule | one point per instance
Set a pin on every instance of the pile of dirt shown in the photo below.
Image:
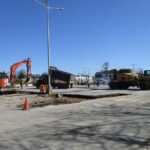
(53, 101)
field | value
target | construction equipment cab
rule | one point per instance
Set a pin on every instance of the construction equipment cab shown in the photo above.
(144, 80)
(16, 65)
(122, 79)
(3, 79)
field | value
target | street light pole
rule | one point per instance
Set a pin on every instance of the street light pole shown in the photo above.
(48, 46)
(48, 41)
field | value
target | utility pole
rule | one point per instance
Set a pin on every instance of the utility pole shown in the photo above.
(133, 68)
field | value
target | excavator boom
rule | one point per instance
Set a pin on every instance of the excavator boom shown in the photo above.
(16, 65)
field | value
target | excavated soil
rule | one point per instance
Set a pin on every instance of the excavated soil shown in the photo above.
(53, 101)
(44, 100)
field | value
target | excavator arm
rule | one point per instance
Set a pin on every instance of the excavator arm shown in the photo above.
(16, 65)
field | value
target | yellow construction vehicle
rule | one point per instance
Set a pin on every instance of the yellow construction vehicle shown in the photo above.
(144, 80)
(122, 79)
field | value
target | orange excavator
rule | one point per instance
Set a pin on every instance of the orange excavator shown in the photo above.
(16, 65)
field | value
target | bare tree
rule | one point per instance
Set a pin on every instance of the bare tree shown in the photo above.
(105, 68)
(21, 74)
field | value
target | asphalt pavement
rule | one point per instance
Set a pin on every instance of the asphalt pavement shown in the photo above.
(114, 123)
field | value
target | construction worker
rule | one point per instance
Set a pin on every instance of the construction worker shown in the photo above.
(78, 82)
(21, 83)
(88, 84)
(98, 83)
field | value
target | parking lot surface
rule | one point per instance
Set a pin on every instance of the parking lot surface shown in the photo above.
(112, 123)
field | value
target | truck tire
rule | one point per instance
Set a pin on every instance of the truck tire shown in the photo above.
(71, 85)
(118, 85)
(113, 85)
(123, 86)
(142, 87)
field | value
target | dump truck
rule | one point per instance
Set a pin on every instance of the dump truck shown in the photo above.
(123, 79)
(59, 79)
(144, 80)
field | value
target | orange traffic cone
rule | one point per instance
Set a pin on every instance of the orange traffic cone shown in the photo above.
(26, 105)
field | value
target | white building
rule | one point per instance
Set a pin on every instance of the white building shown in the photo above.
(84, 78)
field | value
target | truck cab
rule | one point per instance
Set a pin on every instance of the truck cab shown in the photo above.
(144, 80)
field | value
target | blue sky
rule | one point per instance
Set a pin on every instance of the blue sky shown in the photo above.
(82, 37)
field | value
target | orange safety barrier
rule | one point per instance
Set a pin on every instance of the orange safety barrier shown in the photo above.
(42, 89)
